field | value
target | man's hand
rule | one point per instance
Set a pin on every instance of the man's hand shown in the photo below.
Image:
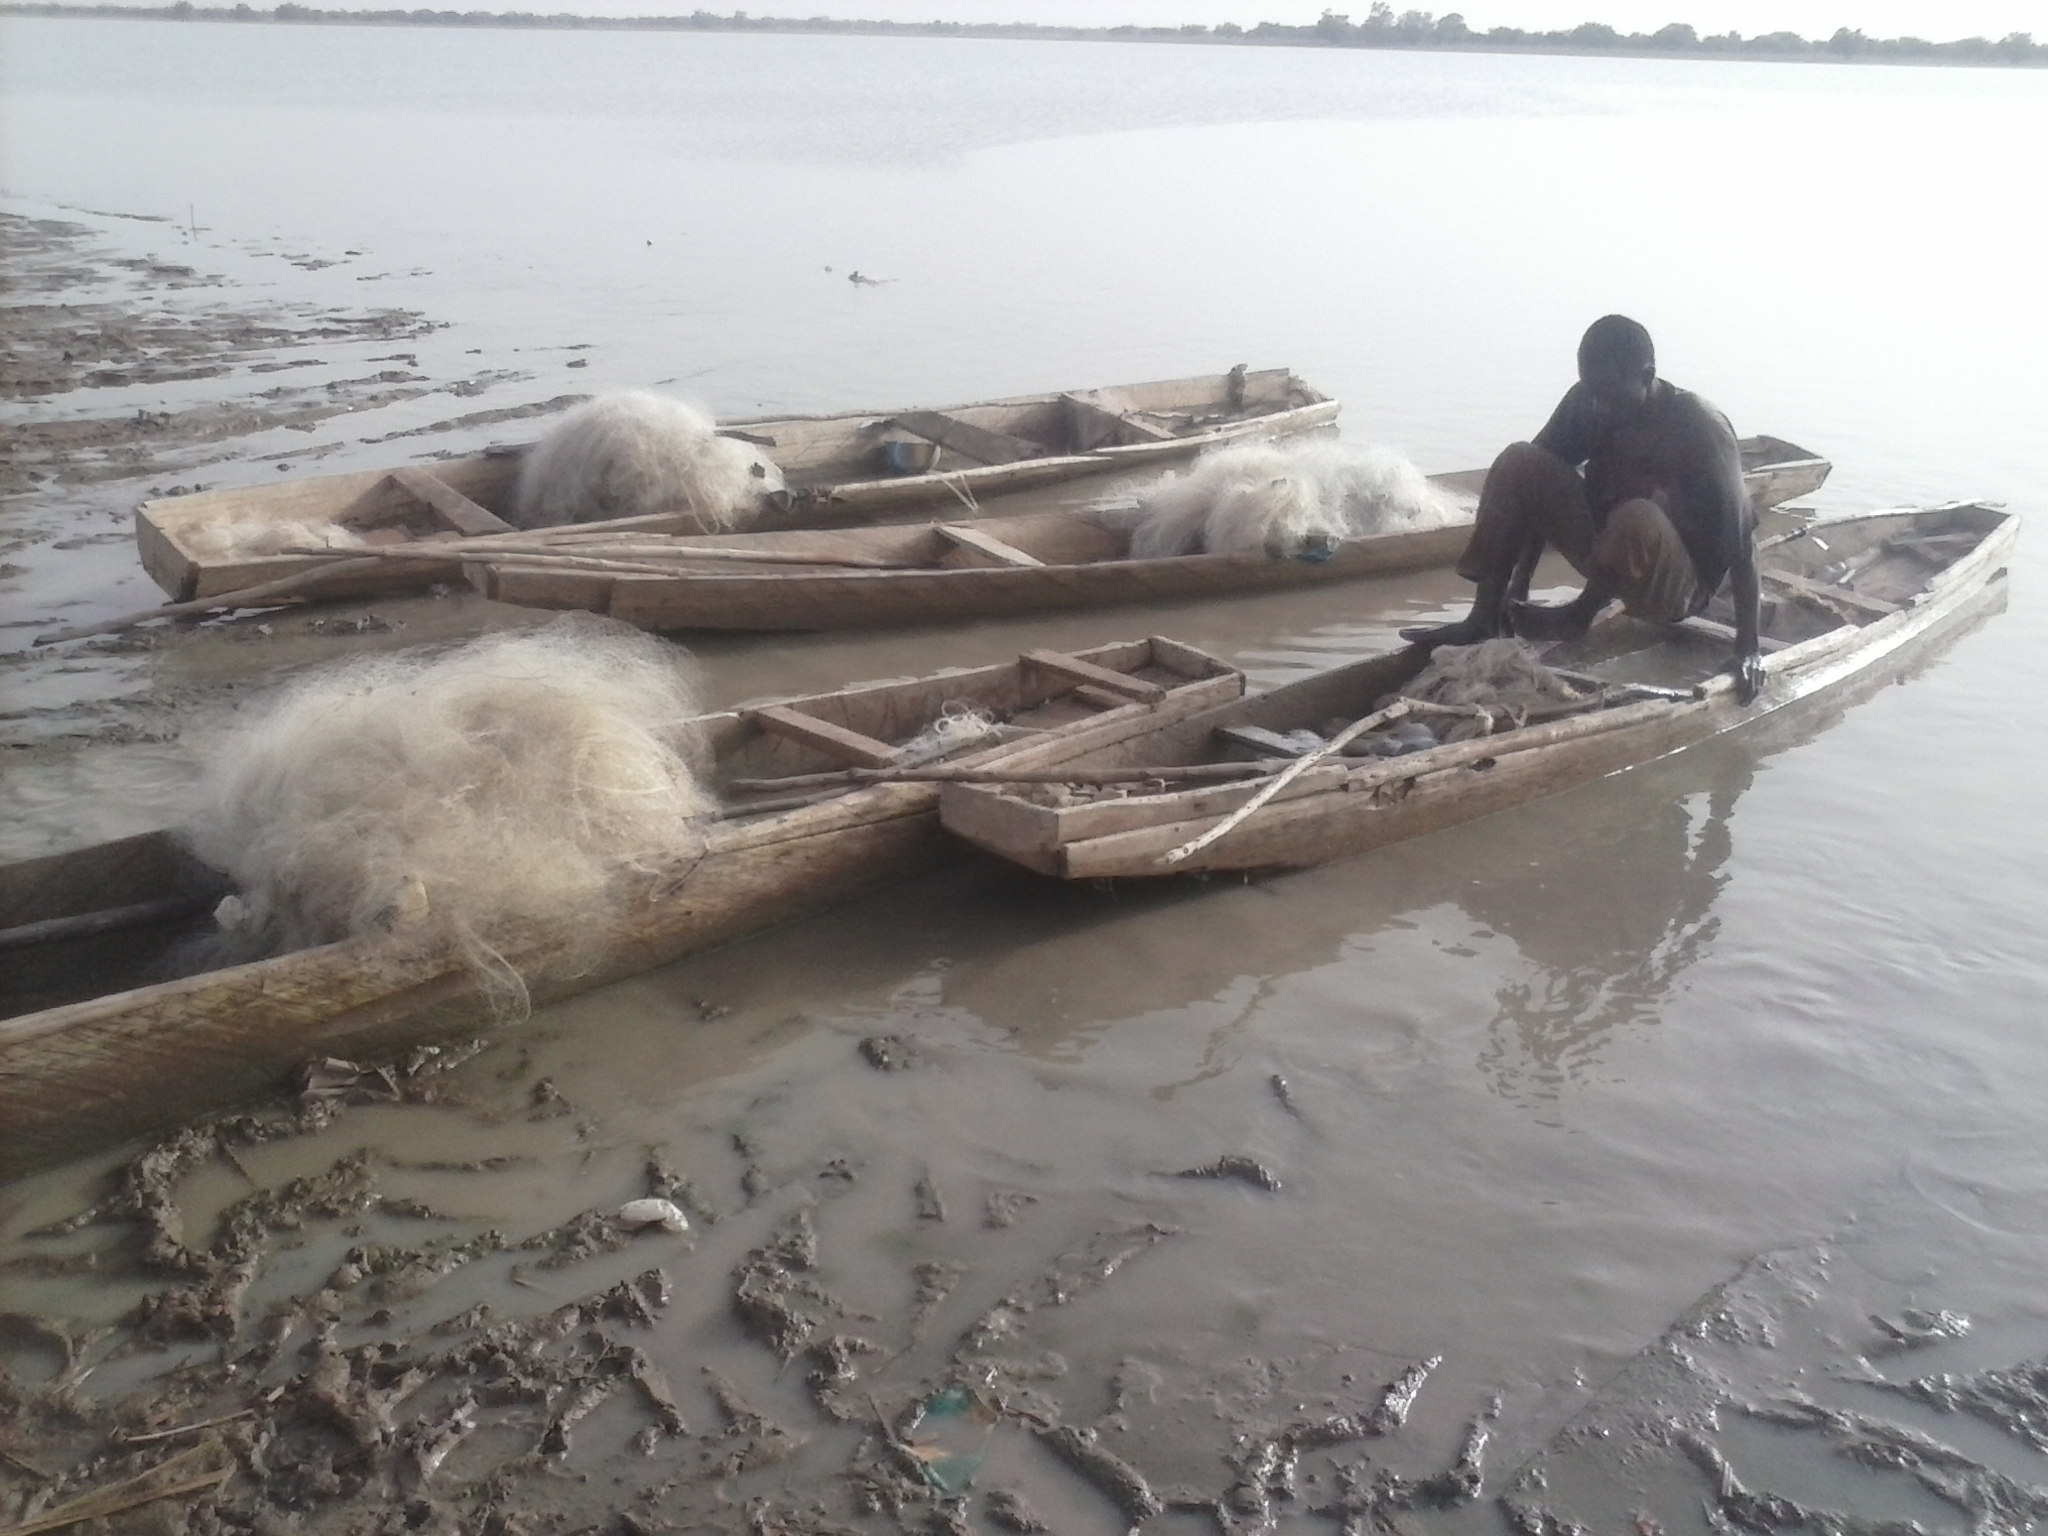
(1748, 668)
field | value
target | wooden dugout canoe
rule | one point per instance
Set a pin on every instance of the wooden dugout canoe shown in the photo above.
(1840, 599)
(1068, 557)
(838, 468)
(82, 1071)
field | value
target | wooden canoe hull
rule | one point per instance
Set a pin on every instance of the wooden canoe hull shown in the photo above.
(1076, 561)
(1342, 808)
(849, 599)
(1777, 471)
(836, 464)
(92, 1072)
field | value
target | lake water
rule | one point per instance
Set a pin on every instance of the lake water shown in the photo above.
(1558, 1074)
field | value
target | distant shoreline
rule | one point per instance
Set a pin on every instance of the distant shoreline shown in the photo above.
(1413, 31)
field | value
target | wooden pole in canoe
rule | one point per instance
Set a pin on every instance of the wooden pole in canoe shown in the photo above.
(1286, 776)
(637, 558)
(1530, 737)
(269, 594)
(945, 775)
(1453, 754)
(109, 920)
(275, 594)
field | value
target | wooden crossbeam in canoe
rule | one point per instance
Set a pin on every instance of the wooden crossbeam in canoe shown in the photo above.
(1087, 673)
(835, 741)
(1830, 593)
(987, 545)
(1094, 426)
(1098, 698)
(965, 437)
(454, 509)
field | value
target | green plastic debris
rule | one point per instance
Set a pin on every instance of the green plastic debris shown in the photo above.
(949, 1437)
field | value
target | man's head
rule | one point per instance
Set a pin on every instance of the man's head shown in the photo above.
(1617, 363)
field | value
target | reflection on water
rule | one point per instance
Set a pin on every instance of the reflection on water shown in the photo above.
(1608, 925)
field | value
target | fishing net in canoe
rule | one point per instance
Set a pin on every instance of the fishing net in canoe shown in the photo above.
(497, 795)
(1488, 687)
(958, 726)
(634, 452)
(1297, 499)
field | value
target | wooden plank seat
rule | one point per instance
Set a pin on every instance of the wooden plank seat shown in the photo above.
(835, 741)
(986, 545)
(1098, 698)
(1832, 595)
(1094, 425)
(965, 437)
(450, 506)
(1125, 688)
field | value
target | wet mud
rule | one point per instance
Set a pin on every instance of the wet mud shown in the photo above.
(80, 318)
(735, 1375)
(1775, 1404)
(316, 1340)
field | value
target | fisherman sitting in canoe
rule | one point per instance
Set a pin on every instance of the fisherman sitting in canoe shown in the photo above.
(1639, 485)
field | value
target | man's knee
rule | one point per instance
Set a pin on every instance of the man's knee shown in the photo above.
(1522, 459)
(1636, 535)
(1535, 477)
(1640, 550)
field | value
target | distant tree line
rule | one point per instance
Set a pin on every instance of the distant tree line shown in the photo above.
(1382, 27)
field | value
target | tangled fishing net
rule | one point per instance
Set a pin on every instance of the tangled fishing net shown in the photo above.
(959, 725)
(633, 453)
(498, 795)
(1296, 499)
(1496, 684)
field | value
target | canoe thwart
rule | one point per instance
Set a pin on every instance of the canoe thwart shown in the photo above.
(973, 541)
(1078, 671)
(1831, 593)
(1095, 427)
(823, 736)
(990, 447)
(1097, 698)
(454, 509)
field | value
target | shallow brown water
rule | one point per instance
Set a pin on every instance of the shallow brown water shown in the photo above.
(1761, 1016)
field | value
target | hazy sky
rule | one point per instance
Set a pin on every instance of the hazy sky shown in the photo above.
(1939, 21)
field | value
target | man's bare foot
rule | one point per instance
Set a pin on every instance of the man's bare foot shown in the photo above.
(1543, 621)
(1466, 631)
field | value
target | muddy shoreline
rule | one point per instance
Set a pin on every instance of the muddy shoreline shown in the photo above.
(281, 1323)
(131, 367)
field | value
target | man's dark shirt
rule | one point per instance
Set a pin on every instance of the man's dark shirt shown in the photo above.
(1680, 452)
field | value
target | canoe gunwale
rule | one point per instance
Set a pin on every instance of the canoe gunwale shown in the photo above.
(1315, 812)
